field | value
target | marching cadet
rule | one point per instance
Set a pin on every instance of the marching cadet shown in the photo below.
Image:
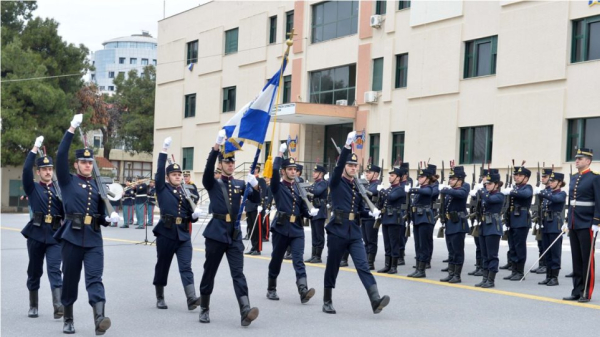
(151, 203)
(128, 203)
(288, 252)
(519, 221)
(583, 221)
(47, 211)
(479, 188)
(319, 189)
(491, 229)
(392, 219)
(80, 234)
(370, 233)
(252, 213)
(343, 231)
(141, 200)
(423, 219)
(287, 229)
(456, 223)
(173, 230)
(552, 222)
(191, 186)
(546, 172)
(435, 185)
(222, 235)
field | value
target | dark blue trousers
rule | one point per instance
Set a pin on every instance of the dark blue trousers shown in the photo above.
(165, 250)
(37, 250)
(336, 246)
(280, 244)
(519, 240)
(370, 236)
(318, 233)
(511, 255)
(424, 237)
(489, 251)
(477, 248)
(74, 257)
(553, 256)
(456, 248)
(235, 257)
(541, 245)
(393, 239)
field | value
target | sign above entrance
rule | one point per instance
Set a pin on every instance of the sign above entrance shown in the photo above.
(316, 114)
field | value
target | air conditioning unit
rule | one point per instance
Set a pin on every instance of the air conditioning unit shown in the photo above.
(341, 102)
(376, 21)
(371, 96)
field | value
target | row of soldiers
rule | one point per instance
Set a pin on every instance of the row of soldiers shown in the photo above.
(139, 198)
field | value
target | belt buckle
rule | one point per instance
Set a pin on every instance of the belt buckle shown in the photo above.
(48, 218)
(292, 218)
(351, 216)
(228, 218)
(178, 220)
(87, 220)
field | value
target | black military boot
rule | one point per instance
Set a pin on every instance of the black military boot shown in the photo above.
(204, 309)
(69, 324)
(305, 293)
(446, 269)
(420, 273)
(553, 277)
(446, 260)
(428, 265)
(377, 302)
(312, 256)
(456, 276)
(513, 268)
(388, 265)
(33, 304)
(102, 322)
(401, 261)
(318, 253)
(547, 279)
(247, 313)
(477, 265)
(272, 289)
(327, 302)
(508, 262)
(393, 266)
(288, 254)
(490, 280)
(160, 297)
(569, 274)
(371, 260)
(58, 307)
(450, 274)
(190, 293)
(542, 268)
(479, 269)
(484, 279)
(520, 272)
(344, 262)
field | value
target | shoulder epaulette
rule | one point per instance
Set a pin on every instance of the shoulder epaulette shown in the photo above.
(596, 173)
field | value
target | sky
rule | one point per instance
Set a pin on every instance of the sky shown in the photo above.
(91, 22)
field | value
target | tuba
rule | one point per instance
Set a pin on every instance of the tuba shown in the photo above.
(117, 190)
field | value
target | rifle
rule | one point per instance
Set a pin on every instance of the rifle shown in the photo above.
(537, 213)
(102, 190)
(408, 217)
(506, 205)
(184, 191)
(54, 180)
(303, 194)
(442, 201)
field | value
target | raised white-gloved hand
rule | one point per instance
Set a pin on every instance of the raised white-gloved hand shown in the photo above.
(282, 147)
(536, 190)
(114, 217)
(564, 228)
(167, 143)
(406, 188)
(77, 119)
(251, 179)
(506, 191)
(326, 176)
(473, 193)
(380, 187)
(351, 137)
(363, 176)
(479, 186)
(259, 209)
(375, 213)
(197, 213)
(38, 141)
(314, 212)
(594, 228)
(221, 137)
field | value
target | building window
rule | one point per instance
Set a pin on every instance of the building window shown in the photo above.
(586, 39)
(287, 89)
(231, 41)
(111, 74)
(331, 85)
(154, 62)
(111, 88)
(272, 29)
(380, 6)
(476, 144)
(480, 57)
(132, 60)
(401, 70)
(137, 169)
(377, 74)
(122, 73)
(144, 62)
(583, 132)
(93, 77)
(374, 148)
(15, 193)
(397, 148)
(188, 158)
(228, 99)
(289, 24)
(121, 60)
(98, 140)
(192, 52)
(102, 88)
(403, 4)
(190, 106)
(334, 19)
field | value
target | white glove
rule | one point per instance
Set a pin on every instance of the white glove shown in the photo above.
(537, 226)
(380, 187)
(326, 176)
(273, 208)
(259, 209)
(479, 186)
(314, 212)
(536, 190)
(221, 137)
(251, 179)
(167, 143)
(375, 213)
(506, 191)
(564, 228)
(77, 119)
(443, 186)
(363, 176)
(114, 217)
(38, 141)
(350, 138)
(473, 193)
(504, 228)
(328, 206)
(282, 147)
(406, 188)
(594, 228)
(197, 213)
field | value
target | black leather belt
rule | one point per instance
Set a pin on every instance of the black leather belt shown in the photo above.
(40, 218)
(346, 215)
(170, 220)
(285, 216)
(224, 217)
(79, 220)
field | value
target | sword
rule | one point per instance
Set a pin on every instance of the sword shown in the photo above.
(587, 275)
(252, 232)
(538, 260)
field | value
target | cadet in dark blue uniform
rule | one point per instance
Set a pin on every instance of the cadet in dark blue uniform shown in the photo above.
(320, 190)
(552, 220)
(392, 219)
(141, 200)
(343, 230)
(491, 229)
(423, 219)
(583, 221)
(151, 204)
(434, 206)
(456, 222)
(173, 230)
(191, 186)
(222, 238)
(288, 229)
(47, 211)
(252, 214)
(477, 190)
(128, 203)
(544, 184)
(288, 252)
(370, 233)
(519, 222)
(80, 234)
(257, 233)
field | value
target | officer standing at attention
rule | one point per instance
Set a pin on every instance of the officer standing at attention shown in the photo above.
(80, 234)
(319, 189)
(222, 236)
(141, 200)
(173, 230)
(370, 234)
(128, 203)
(151, 203)
(343, 230)
(546, 187)
(583, 220)
(47, 213)
(288, 229)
